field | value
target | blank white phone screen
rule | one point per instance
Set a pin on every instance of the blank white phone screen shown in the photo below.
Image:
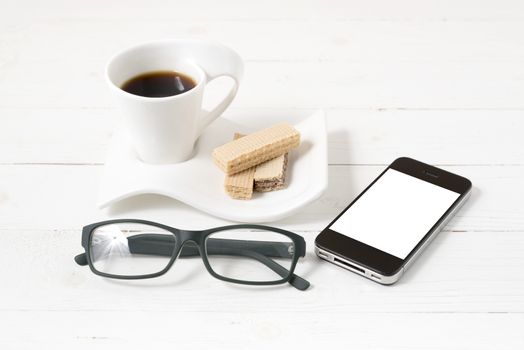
(395, 213)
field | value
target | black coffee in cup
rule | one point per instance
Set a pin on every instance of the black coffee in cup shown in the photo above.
(159, 84)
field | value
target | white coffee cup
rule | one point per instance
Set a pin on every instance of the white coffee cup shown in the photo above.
(164, 129)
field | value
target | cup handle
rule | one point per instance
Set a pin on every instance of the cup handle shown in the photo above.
(217, 60)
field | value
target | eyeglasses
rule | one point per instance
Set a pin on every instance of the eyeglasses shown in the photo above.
(245, 254)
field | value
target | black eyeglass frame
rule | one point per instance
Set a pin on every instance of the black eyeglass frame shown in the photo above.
(199, 237)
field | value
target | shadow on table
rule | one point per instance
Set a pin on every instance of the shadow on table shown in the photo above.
(145, 202)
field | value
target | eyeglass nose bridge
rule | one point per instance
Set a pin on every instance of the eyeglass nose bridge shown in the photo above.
(189, 243)
(185, 236)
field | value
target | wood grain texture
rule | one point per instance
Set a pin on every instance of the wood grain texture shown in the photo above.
(440, 81)
(362, 85)
(260, 331)
(365, 137)
(273, 10)
(452, 276)
(38, 196)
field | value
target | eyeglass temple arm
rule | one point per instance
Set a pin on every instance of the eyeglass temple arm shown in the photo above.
(150, 243)
(163, 245)
(158, 243)
(261, 251)
(267, 248)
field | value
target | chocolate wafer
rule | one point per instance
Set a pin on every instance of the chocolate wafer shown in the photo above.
(271, 175)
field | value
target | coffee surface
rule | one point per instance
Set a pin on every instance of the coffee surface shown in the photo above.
(159, 84)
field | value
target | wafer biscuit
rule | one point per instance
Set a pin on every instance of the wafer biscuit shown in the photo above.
(240, 185)
(271, 175)
(256, 148)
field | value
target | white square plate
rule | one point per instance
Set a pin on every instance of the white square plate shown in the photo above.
(199, 183)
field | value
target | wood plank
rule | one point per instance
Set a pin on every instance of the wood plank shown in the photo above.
(233, 330)
(64, 197)
(313, 40)
(354, 136)
(403, 10)
(466, 272)
(363, 85)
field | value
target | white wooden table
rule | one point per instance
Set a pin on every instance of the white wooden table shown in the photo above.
(440, 81)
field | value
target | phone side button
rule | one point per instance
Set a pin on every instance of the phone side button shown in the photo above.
(375, 277)
(322, 255)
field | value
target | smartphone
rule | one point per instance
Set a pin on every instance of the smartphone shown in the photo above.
(389, 224)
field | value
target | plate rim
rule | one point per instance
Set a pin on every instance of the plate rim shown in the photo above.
(314, 192)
